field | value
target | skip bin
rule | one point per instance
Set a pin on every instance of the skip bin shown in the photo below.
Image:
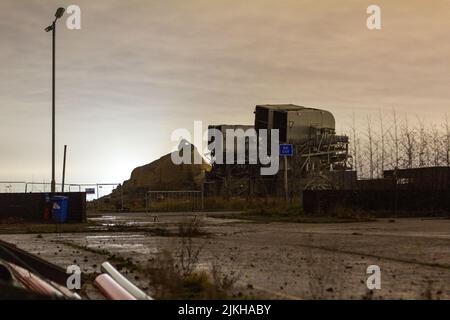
(60, 208)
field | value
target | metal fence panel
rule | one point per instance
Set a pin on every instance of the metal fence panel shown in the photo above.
(181, 200)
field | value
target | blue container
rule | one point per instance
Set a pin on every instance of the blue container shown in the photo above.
(60, 208)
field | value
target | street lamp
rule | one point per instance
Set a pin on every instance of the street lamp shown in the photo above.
(59, 13)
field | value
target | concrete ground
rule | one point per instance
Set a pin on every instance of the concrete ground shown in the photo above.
(271, 260)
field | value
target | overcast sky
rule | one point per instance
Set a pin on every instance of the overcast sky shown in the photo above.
(137, 70)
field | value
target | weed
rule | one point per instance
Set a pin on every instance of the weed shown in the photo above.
(188, 252)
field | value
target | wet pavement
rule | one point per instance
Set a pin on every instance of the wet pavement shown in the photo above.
(274, 260)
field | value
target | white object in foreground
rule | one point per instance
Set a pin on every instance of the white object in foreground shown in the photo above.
(124, 282)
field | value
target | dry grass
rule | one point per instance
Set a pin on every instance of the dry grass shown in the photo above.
(169, 281)
(189, 252)
(176, 276)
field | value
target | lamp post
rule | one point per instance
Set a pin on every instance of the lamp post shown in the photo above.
(59, 13)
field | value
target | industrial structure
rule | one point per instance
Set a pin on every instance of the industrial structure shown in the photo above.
(320, 158)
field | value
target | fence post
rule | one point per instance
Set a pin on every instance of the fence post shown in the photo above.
(203, 196)
(146, 201)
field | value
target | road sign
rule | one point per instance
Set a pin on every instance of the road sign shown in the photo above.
(90, 190)
(286, 150)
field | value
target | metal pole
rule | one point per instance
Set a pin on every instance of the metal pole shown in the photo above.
(64, 169)
(53, 184)
(286, 178)
(121, 197)
(98, 199)
(395, 191)
(146, 201)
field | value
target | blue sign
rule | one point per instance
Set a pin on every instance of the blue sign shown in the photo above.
(286, 149)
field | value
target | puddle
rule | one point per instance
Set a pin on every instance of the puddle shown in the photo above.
(128, 247)
(115, 236)
(136, 223)
(103, 218)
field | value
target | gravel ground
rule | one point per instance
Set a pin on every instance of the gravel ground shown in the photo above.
(273, 260)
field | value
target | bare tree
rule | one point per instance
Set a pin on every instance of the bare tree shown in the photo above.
(377, 163)
(423, 148)
(408, 143)
(382, 146)
(355, 148)
(396, 140)
(370, 146)
(401, 144)
(436, 146)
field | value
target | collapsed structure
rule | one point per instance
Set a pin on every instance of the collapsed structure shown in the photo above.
(320, 158)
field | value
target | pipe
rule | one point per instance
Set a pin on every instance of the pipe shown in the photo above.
(111, 289)
(66, 292)
(124, 282)
(34, 283)
(24, 259)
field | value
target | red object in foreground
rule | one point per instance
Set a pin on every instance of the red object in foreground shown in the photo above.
(32, 282)
(111, 289)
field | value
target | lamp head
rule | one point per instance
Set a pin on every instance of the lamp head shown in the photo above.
(59, 13)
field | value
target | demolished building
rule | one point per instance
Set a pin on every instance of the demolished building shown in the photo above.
(320, 158)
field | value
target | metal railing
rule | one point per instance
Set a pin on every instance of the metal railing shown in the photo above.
(27, 187)
(9, 186)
